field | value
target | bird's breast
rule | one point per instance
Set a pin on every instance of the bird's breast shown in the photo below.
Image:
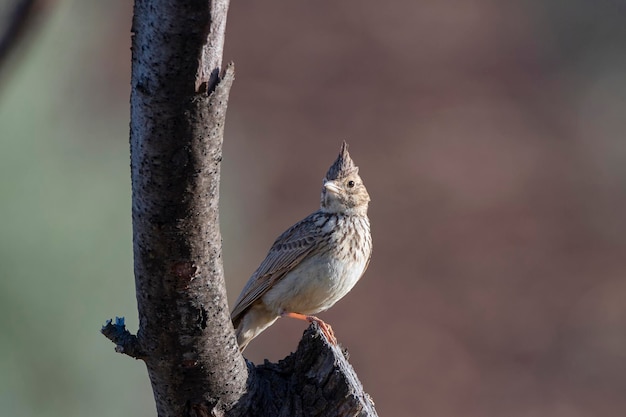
(328, 273)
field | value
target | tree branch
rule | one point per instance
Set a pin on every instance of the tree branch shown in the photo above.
(125, 342)
(19, 20)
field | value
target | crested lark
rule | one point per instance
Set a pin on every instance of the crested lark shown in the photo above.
(315, 262)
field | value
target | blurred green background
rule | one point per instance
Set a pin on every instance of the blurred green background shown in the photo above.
(490, 136)
(65, 232)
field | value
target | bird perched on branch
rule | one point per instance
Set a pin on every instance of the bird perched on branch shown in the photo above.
(315, 262)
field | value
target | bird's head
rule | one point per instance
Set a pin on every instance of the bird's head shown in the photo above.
(343, 190)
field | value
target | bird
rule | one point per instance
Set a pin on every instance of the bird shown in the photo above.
(315, 262)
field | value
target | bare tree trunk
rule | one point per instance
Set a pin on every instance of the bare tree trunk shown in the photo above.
(178, 107)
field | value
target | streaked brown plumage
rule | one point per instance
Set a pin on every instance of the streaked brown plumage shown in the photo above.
(315, 262)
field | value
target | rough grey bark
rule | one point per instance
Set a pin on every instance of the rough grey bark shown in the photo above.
(178, 106)
(314, 381)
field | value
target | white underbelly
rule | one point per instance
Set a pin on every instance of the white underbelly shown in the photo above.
(315, 285)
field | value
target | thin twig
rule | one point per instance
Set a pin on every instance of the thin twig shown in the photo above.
(125, 342)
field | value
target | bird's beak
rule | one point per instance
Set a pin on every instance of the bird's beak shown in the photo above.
(332, 187)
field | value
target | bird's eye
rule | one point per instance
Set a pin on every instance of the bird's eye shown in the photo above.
(350, 184)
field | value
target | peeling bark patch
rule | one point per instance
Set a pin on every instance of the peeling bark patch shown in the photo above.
(185, 271)
(189, 363)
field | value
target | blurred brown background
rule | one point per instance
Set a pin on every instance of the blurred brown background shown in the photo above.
(490, 136)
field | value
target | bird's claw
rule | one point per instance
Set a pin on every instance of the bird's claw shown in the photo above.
(325, 328)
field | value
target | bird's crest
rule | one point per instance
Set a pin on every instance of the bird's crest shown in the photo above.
(343, 166)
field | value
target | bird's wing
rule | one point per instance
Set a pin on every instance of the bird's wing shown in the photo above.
(288, 250)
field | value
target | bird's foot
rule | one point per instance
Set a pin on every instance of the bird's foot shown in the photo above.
(324, 327)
